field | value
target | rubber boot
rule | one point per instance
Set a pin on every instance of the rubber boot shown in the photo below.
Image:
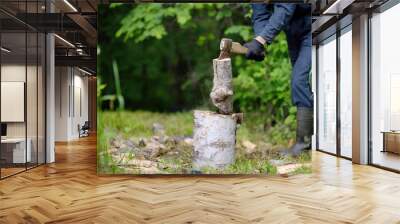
(304, 131)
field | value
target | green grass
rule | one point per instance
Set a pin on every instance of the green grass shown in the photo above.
(253, 129)
(138, 124)
(303, 170)
(104, 159)
(252, 166)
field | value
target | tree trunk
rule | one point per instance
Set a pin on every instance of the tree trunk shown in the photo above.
(214, 139)
(222, 91)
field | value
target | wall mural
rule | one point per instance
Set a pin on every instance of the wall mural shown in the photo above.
(204, 89)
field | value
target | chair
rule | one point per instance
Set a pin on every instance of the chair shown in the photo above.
(84, 130)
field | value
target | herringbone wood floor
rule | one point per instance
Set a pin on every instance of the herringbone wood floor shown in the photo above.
(69, 191)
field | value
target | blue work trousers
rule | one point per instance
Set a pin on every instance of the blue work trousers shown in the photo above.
(295, 21)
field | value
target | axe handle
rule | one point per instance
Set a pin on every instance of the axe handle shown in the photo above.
(238, 48)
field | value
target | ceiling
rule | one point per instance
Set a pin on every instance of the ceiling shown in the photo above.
(73, 21)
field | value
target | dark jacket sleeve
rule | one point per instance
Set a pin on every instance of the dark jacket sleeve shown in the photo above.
(269, 25)
(260, 16)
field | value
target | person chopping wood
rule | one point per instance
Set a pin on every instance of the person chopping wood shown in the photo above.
(295, 20)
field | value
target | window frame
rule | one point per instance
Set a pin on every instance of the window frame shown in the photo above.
(378, 10)
(342, 21)
(27, 29)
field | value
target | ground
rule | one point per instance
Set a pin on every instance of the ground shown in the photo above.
(141, 142)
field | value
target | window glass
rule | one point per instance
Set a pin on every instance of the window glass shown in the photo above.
(41, 98)
(15, 151)
(327, 96)
(346, 93)
(22, 90)
(314, 90)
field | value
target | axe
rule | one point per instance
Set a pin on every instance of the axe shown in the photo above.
(227, 46)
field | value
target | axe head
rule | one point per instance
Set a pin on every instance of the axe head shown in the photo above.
(227, 46)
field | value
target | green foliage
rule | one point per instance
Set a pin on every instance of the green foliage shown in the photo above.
(119, 97)
(265, 86)
(148, 20)
(100, 88)
(104, 97)
(245, 32)
(142, 22)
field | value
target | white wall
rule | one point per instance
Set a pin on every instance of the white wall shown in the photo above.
(13, 101)
(12, 73)
(80, 102)
(71, 87)
(33, 126)
(62, 81)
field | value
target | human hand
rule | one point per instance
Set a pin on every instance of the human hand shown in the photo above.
(255, 50)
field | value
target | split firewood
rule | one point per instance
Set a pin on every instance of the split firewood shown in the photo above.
(222, 91)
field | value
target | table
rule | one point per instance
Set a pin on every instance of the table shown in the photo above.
(13, 150)
(391, 141)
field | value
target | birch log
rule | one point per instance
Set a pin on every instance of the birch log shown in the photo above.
(222, 91)
(214, 139)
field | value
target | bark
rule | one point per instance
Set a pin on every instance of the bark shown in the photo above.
(222, 91)
(214, 139)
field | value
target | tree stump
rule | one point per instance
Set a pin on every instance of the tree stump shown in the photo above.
(215, 133)
(214, 139)
(222, 91)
